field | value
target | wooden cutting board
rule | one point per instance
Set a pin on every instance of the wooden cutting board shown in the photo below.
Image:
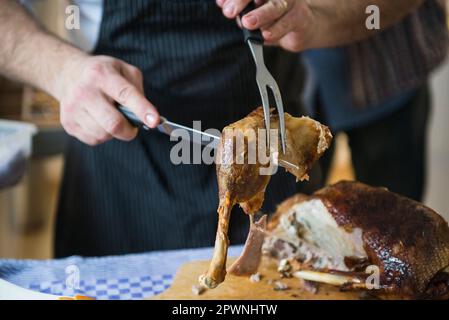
(241, 288)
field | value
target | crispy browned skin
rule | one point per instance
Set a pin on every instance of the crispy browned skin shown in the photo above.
(408, 241)
(306, 141)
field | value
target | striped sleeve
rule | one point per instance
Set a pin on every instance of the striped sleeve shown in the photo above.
(400, 58)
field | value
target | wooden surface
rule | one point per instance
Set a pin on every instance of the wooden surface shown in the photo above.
(241, 288)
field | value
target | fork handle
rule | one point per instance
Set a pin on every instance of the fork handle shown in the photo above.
(255, 35)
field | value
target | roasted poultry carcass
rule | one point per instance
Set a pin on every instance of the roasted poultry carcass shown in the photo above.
(242, 182)
(334, 235)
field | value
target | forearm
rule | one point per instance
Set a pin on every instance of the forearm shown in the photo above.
(30, 54)
(344, 21)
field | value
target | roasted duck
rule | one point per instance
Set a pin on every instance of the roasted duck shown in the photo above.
(244, 182)
(344, 230)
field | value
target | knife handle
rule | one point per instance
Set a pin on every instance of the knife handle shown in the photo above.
(132, 118)
(255, 35)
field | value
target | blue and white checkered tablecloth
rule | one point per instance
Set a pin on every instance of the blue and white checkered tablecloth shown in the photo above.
(135, 276)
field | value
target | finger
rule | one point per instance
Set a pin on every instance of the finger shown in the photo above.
(232, 8)
(76, 131)
(293, 42)
(127, 94)
(133, 75)
(260, 2)
(279, 29)
(87, 139)
(110, 119)
(239, 22)
(73, 117)
(271, 43)
(220, 3)
(266, 14)
(91, 127)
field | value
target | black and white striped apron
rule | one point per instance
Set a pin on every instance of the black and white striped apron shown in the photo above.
(124, 197)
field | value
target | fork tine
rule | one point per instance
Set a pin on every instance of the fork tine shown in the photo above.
(280, 108)
(266, 110)
(264, 81)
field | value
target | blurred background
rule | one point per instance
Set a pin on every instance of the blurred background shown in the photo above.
(27, 209)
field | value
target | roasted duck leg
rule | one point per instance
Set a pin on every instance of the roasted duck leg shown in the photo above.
(240, 180)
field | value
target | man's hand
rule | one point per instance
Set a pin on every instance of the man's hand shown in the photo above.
(297, 25)
(89, 90)
(87, 87)
(287, 23)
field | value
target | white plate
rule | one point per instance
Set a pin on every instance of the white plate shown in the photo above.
(9, 291)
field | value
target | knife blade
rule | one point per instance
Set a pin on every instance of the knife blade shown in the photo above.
(167, 127)
(196, 136)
